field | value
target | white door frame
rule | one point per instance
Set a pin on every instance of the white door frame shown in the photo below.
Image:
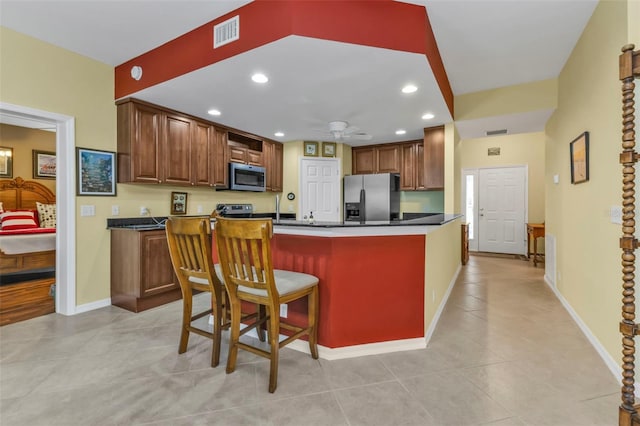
(473, 244)
(301, 213)
(65, 201)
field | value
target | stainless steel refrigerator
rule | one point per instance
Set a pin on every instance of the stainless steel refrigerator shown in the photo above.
(372, 197)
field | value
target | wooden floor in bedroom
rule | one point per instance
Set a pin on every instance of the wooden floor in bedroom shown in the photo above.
(26, 300)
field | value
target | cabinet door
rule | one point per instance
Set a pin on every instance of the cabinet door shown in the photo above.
(202, 151)
(145, 144)
(277, 163)
(272, 153)
(363, 161)
(176, 150)
(237, 153)
(220, 159)
(419, 167)
(408, 169)
(434, 157)
(254, 158)
(388, 159)
(157, 270)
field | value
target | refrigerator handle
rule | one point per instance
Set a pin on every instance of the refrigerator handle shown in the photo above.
(362, 206)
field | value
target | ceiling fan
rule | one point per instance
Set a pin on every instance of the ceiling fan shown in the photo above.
(342, 130)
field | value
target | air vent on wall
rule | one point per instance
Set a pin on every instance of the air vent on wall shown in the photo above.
(226, 32)
(496, 132)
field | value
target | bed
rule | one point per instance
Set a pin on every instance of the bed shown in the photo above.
(27, 256)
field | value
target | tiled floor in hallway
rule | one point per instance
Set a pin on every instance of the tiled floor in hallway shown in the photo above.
(505, 352)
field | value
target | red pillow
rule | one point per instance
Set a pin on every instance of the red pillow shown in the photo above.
(18, 220)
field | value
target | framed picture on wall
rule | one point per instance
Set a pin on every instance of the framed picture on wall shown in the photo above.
(311, 149)
(579, 150)
(44, 164)
(178, 203)
(96, 172)
(328, 149)
(6, 162)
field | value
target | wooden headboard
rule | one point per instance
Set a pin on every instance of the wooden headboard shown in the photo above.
(22, 194)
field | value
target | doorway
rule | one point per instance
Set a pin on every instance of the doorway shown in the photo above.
(320, 189)
(495, 206)
(65, 202)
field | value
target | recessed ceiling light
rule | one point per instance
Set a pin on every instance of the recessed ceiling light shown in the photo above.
(401, 132)
(259, 78)
(409, 88)
(214, 112)
(428, 116)
(278, 134)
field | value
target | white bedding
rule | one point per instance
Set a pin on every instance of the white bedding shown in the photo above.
(18, 244)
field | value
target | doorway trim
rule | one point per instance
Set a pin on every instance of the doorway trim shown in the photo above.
(65, 201)
(474, 244)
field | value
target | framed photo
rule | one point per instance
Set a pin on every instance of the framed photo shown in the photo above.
(6, 162)
(178, 203)
(579, 151)
(311, 149)
(96, 172)
(328, 149)
(44, 164)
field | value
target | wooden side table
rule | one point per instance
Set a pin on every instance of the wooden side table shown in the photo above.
(534, 231)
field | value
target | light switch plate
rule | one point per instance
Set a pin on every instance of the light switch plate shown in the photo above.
(616, 214)
(87, 210)
(115, 210)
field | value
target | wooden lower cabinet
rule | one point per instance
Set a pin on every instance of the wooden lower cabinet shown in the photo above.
(142, 276)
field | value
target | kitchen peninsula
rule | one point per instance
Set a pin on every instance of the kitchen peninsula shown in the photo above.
(381, 284)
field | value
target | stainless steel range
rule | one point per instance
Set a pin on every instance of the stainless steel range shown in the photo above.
(235, 210)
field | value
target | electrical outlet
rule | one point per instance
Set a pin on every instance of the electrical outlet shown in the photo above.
(290, 208)
(433, 295)
(283, 310)
(115, 210)
(199, 209)
(144, 211)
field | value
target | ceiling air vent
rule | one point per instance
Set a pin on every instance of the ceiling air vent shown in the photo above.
(226, 32)
(496, 132)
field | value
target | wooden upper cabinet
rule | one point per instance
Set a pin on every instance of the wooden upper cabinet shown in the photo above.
(139, 146)
(220, 159)
(154, 145)
(255, 158)
(363, 160)
(176, 150)
(434, 158)
(388, 158)
(237, 153)
(273, 162)
(412, 170)
(204, 153)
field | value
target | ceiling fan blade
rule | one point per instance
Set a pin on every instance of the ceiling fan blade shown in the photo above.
(350, 130)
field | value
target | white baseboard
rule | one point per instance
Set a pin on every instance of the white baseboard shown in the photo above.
(361, 350)
(613, 366)
(443, 303)
(92, 305)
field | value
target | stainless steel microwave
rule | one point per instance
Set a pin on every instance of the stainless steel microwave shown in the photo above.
(243, 177)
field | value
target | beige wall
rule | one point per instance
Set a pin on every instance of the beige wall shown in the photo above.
(588, 255)
(539, 95)
(442, 262)
(522, 149)
(24, 141)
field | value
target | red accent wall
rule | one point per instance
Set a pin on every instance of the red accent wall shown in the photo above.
(371, 288)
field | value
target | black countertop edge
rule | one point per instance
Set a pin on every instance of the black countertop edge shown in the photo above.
(288, 219)
(435, 219)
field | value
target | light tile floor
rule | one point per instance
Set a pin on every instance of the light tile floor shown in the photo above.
(505, 352)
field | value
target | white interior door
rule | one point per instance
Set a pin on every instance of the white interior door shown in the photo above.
(320, 189)
(502, 210)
